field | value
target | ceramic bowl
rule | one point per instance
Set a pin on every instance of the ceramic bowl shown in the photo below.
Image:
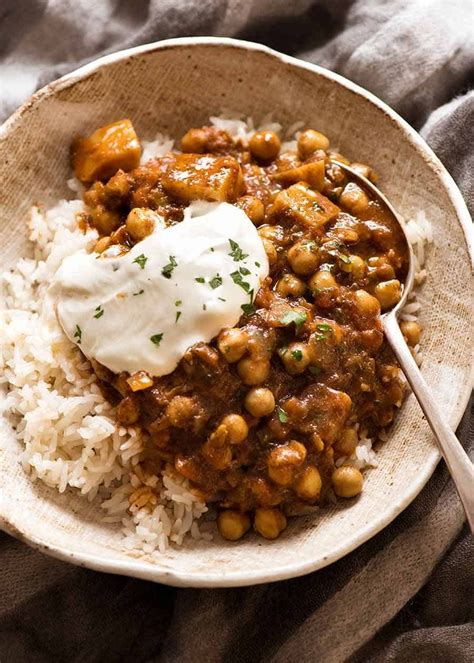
(169, 87)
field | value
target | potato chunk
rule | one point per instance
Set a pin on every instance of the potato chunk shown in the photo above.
(319, 409)
(195, 177)
(109, 148)
(305, 206)
(312, 173)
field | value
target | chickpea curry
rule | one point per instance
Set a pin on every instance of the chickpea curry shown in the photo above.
(263, 419)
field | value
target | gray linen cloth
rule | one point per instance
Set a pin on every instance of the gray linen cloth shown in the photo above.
(406, 595)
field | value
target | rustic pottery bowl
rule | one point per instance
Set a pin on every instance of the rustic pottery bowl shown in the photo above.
(171, 86)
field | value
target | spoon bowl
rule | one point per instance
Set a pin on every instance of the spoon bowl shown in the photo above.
(457, 460)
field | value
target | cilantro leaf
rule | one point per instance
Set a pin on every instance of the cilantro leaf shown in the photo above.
(236, 252)
(99, 312)
(78, 334)
(297, 355)
(298, 317)
(168, 269)
(238, 280)
(200, 279)
(248, 309)
(141, 260)
(156, 339)
(323, 327)
(178, 315)
(282, 415)
(216, 281)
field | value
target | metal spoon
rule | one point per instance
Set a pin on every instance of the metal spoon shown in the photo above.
(457, 460)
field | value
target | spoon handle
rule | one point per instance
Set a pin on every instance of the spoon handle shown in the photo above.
(457, 460)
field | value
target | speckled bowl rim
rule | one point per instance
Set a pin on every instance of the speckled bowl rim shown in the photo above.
(137, 568)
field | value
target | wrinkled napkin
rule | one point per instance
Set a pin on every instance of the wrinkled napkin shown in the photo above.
(406, 595)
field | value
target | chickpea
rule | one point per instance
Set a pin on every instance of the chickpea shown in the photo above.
(354, 198)
(388, 293)
(127, 411)
(347, 481)
(270, 523)
(365, 171)
(347, 235)
(237, 429)
(104, 220)
(356, 266)
(309, 483)
(347, 443)
(322, 280)
(290, 285)
(180, 410)
(265, 145)
(259, 401)
(103, 244)
(268, 232)
(141, 222)
(194, 140)
(337, 156)
(270, 250)
(309, 141)
(381, 268)
(290, 455)
(283, 476)
(253, 371)
(303, 258)
(411, 331)
(253, 208)
(232, 524)
(296, 358)
(232, 343)
(366, 303)
(215, 449)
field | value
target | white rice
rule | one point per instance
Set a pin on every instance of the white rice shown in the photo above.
(67, 429)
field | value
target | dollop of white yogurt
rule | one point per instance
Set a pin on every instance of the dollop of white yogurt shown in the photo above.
(179, 286)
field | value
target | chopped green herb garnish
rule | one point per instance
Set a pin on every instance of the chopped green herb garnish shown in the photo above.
(248, 309)
(317, 207)
(178, 315)
(222, 299)
(204, 307)
(99, 312)
(200, 279)
(141, 260)
(282, 416)
(238, 280)
(178, 302)
(212, 249)
(78, 334)
(257, 264)
(168, 269)
(323, 327)
(297, 355)
(244, 271)
(156, 339)
(315, 370)
(140, 292)
(298, 317)
(236, 252)
(215, 282)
